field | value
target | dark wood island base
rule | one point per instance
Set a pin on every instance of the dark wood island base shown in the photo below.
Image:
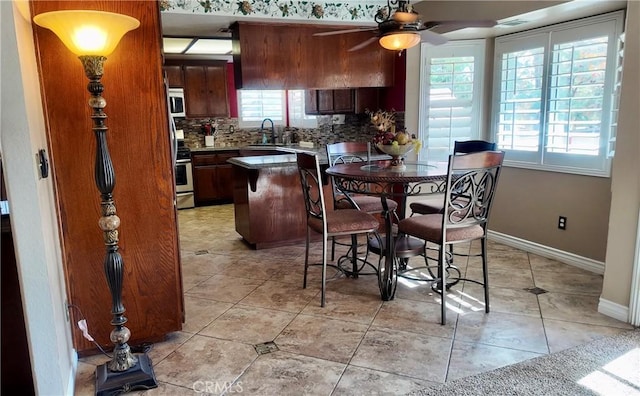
(268, 203)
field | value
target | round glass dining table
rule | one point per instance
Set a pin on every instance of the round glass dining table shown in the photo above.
(378, 178)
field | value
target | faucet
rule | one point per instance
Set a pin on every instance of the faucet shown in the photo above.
(273, 131)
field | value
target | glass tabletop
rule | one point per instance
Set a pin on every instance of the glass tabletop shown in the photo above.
(382, 171)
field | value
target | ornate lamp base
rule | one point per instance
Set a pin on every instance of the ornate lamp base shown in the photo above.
(140, 376)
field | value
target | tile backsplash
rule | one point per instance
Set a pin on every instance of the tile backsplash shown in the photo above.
(356, 127)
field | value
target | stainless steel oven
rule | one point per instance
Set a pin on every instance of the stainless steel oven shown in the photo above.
(184, 184)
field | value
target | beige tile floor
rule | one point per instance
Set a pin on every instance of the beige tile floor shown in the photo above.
(236, 297)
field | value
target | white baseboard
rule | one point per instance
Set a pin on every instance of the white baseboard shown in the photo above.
(613, 310)
(548, 252)
(71, 387)
(605, 307)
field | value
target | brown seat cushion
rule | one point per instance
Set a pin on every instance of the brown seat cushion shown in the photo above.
(430, 205)
(366, 203)
(429, 228)
(346, 221)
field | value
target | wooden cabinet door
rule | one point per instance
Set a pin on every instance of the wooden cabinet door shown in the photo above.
(325, 101)
(329, 101)
(195, 91)
(217, 90)
(366, 98)
(174, 75)
(343, 101)
(205, 89)
(213, 177)
(205, 185)
(285, 56)
(311, 101)
(225, 182)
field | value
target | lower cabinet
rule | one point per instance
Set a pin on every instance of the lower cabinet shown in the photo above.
(212, 177)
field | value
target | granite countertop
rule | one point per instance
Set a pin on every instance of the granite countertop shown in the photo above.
(264, 161)
(277, 160)
(293, 148)
(280, 160)
(214, 149)
(288, 157)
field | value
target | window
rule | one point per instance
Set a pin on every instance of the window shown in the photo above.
(256, 105)
(285, 108)
(451, 95)
(552, 95)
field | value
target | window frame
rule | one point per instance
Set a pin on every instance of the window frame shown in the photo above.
(458, 48)
(611, 25)
(283, 119)
(277, 120)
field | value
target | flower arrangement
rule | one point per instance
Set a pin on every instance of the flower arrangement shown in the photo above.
(385, 123)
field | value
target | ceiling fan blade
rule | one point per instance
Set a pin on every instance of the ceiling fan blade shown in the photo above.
(332, 32)
(432, 37)
(479, 23)
(362, 44)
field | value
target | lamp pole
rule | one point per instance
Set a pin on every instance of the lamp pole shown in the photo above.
(109, 222)
(92, 35)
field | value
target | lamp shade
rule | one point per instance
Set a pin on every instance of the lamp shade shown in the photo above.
(87, 32)
(399, 41)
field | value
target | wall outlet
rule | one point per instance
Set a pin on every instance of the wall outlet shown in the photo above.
(337, 119)
(562, 223)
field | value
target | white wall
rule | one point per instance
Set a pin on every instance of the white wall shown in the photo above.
(32, 207)
(625, 179)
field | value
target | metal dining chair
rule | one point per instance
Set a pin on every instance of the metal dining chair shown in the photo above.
(435, 203)
(344, 153)
(470, 189)
(328, 223)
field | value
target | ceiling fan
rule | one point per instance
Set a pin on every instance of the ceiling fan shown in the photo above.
(402, 28)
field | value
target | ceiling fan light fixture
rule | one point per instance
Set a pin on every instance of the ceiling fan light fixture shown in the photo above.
(405, 17)
(397, 41)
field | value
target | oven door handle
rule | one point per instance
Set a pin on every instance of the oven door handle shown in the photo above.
(183, 161)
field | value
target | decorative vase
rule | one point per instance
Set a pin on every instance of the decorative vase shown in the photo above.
(397, 153)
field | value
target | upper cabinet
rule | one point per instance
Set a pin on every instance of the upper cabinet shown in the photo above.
(341, 101)
(279, 56)
(174, 75)
(205, 86)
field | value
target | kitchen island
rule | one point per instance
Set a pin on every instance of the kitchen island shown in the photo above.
(267, 198)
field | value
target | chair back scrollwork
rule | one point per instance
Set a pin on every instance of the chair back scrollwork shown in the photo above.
(310, 178)
(471, 183)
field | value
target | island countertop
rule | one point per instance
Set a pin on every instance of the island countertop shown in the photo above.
(268, 204)
(280, 160)
(288, 157)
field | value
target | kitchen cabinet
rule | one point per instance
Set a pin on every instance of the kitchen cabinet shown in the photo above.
(289, 56)
(205, 89)
(144, 193)
(340, 101)
(212, 177)
(174, 75)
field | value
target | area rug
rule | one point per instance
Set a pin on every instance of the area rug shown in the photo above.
(607, 366)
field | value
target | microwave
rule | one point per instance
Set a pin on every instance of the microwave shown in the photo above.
(176, 102)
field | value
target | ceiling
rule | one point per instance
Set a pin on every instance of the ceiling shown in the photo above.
(512, 16)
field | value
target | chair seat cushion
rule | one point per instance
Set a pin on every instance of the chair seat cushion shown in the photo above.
(430, 205)
(345, 221)
(366, 203)
(429, 228)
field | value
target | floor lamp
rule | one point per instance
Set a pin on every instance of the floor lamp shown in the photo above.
(93, 35)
